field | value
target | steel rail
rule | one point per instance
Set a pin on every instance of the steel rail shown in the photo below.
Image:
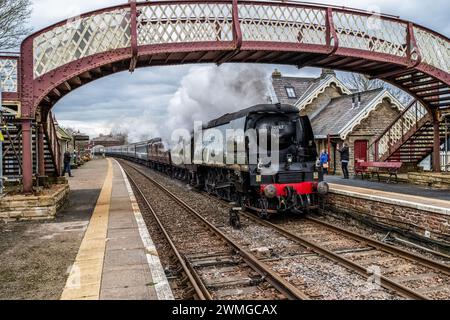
(385, 282)
(198, 286)
(388, 248)
(271, 276)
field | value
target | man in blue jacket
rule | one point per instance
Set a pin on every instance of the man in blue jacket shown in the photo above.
(324, 158)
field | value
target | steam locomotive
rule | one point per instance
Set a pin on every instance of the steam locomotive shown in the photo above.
(262, 157)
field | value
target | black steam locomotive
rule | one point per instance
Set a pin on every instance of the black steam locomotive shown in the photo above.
(263, 158)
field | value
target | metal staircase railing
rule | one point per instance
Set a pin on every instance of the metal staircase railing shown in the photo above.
(52, 138)
(412, 118)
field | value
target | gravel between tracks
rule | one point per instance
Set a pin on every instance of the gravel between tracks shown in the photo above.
(191, 239)
(317, 276)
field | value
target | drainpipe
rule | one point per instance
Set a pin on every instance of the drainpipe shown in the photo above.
(329, 152)
(334, 158)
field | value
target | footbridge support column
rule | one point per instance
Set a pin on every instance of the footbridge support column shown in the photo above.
(27, 159)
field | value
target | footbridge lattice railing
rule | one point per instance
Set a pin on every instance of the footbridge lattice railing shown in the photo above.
(168, 22)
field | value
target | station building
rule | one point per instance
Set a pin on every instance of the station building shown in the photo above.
(339, 114)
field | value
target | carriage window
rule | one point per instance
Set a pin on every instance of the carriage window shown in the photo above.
(291, 92)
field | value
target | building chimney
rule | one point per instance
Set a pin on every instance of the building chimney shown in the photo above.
(359, 99)
(326, 72)
(276, 74)
(353, 101)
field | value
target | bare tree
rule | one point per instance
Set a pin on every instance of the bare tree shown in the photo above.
(71, 131)
(13, 17)
(360, 82)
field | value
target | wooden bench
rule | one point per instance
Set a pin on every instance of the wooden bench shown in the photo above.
(378, 167)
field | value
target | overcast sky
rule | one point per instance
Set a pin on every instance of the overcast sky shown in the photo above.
(142, 99)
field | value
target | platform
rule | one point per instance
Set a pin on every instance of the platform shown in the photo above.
(117, 258)
(422, 212)
(401, 191)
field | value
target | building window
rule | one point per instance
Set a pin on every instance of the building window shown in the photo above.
(291, 93)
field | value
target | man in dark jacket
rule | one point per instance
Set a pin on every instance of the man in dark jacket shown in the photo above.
(345, 159)
(67, 159)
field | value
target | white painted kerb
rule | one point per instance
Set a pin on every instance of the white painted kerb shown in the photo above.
(162, 286)
(393, 201)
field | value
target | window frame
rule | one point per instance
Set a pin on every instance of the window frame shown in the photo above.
(287, 88)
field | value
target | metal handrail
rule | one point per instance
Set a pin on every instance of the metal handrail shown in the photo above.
(374, 147)
(53, 142)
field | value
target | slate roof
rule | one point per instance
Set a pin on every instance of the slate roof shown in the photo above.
(300, 85)
(339, 112)
(63, 134)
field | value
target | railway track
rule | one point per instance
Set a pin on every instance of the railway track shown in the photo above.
(214, 265)
(290, 261)
(412, 276)
(428, 278)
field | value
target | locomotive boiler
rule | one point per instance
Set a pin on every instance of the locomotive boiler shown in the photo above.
(262, 158)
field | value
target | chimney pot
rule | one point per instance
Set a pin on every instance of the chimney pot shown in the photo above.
(326, 72)
(276, 74)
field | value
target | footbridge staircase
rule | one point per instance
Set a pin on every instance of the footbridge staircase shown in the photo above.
(12, 147)
(410, 137)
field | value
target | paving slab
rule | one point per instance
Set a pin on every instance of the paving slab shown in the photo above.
(113, 261)
(401, 188)
(36, 256)
(402, 194)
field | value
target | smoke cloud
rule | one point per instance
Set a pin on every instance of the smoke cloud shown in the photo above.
(138, 129)
(208, 92)
(205, 92)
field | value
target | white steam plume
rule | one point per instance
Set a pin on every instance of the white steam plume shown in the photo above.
(205, 92)
(208, 92)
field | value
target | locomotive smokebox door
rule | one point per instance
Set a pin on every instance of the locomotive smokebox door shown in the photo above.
(235, 221)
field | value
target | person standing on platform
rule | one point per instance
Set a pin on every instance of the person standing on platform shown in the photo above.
(345, 158)
(67, 160)
(324, 159)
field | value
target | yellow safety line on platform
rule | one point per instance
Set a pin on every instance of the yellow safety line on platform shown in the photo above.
(86, 273)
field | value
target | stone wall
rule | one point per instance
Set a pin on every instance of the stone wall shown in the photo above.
(430, 179)
(40, 207)
(425, 222)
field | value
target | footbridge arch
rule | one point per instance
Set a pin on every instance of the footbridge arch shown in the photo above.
(62, 57)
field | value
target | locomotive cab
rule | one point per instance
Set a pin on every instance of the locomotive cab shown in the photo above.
(284, 182)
